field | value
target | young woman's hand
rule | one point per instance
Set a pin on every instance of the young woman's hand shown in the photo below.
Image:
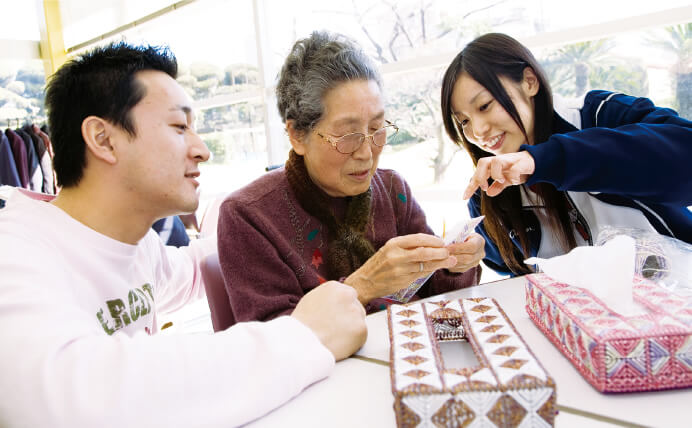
(399, 262)
(468, 253)
(506, 170)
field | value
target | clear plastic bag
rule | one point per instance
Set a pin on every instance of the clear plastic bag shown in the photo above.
(662, 259)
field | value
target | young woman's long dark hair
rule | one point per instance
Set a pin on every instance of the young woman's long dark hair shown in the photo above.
(486, 59)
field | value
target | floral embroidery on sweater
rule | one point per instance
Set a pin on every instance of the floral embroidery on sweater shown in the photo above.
(317, 258)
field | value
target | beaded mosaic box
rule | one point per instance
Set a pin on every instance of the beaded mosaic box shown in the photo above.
(508, 388)
(614, 353)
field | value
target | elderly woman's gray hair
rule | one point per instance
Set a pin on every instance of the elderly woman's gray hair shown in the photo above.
(315, 65)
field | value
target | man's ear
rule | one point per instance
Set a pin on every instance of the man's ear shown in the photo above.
(97, 134)
(530, 83)
(295, 137)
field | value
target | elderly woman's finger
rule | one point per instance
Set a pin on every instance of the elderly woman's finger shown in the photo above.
(472, 244)
(425, 254)
(416, 240)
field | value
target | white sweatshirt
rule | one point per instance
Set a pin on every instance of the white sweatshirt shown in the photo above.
(77, 343)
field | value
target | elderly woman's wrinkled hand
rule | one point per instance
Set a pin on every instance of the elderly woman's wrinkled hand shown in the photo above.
(399, 262)
(468, 253)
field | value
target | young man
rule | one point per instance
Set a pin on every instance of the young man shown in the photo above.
(82, 277)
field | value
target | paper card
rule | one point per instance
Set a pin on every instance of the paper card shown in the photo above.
(458, 233)
(462, 230)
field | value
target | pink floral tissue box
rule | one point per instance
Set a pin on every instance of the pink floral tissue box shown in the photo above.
(615, 353)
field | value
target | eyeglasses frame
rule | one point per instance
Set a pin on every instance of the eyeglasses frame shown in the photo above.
(365, 137)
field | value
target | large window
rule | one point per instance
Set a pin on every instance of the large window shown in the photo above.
(22, 77)
(85, 19)
(214, 42)
(230, 53)
(21, 93)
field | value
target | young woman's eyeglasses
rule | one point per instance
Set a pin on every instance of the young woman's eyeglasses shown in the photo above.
(349, 143)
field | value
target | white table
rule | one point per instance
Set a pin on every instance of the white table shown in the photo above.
(358, 393)
(575, 396)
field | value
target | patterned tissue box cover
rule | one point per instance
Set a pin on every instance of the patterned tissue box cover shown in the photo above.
(509, 388)
(615, 353)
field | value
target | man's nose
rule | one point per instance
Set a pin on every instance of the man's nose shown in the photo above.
(199, 149)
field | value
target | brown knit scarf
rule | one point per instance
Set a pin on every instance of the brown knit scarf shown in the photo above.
(348, 248)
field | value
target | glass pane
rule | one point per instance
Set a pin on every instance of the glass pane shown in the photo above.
(560, 15)
(652, 63)
(86, 19)
(21, 93)
(19, 20)
(235, 135)
(407, 29)
(214, 42)
(213, 32)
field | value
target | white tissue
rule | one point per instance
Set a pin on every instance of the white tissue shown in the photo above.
(606, 270)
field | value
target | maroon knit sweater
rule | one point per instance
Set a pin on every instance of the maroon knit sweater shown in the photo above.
(272, 252)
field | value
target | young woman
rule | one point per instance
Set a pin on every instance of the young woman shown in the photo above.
(549, 176)
(331, 214)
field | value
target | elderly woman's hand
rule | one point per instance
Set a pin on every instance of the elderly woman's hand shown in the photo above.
(399, 262)
(468, 253)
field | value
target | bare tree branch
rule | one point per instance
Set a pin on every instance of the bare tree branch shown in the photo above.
(391, 43)
(421, 11)
(400, 23)
(378, 48)
(482, 9)
(376, 45)
(443, 33)
(443, 167)
(422, 25)
(405, 33)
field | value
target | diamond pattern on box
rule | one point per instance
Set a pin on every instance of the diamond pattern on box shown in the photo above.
(508, 389)
(615, 353)
(537, 414)
(684, 353)
(453, 410)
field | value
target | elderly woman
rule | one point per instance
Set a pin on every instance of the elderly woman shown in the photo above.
(331, 214)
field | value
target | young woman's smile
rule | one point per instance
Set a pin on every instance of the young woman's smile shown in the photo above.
(485, 122)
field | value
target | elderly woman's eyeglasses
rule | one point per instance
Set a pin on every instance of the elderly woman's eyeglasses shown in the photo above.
(349, 143)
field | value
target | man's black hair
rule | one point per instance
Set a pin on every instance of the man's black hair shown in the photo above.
(99, 83)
